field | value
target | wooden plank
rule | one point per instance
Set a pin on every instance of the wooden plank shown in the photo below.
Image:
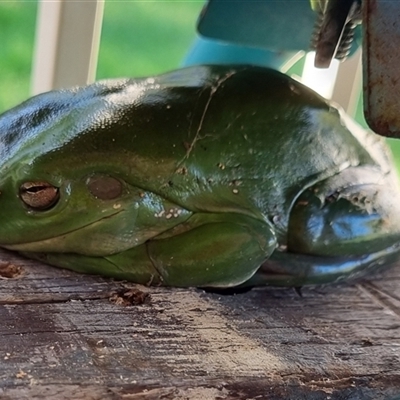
(70, 336)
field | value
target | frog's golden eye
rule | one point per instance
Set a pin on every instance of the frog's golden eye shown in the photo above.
(39, 195)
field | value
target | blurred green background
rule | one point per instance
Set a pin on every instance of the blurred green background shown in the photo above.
(138, 38)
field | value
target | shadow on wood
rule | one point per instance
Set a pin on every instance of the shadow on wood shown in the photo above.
(70, 336)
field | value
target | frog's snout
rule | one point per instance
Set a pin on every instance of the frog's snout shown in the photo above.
(350, 220)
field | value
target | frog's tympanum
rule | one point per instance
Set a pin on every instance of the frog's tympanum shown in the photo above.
(209, 176)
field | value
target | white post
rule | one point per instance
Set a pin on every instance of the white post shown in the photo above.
(341, 83)
(348, 85)
(67, 43)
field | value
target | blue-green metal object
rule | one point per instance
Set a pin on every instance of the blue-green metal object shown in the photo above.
(265, 33)
(274, 25)
(207, 51)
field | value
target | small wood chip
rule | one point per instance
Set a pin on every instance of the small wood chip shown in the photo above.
(130, 297)
(10, 271)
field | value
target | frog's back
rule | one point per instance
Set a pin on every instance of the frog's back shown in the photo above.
(237, 138)
(256, 138)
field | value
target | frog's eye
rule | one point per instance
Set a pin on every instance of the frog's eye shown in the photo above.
(39, 195)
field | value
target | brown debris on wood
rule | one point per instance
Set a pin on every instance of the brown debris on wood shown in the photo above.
(130, 297)
(10, 271)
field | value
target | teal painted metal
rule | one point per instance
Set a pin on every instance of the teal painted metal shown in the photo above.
(270, 32)
(274, 25)
(207, 51)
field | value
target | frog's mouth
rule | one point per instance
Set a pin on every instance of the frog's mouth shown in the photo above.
(84, 239)
(292, 269)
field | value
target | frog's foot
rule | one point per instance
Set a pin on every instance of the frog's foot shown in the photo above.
(339, 228)
(291, 269)
(209, 250)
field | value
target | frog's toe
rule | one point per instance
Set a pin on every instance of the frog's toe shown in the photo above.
(291, 269)
(339, 228)
(345, 220)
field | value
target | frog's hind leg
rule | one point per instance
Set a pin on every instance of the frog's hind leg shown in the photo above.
(291, 269)
(223, 250)
(211, 250)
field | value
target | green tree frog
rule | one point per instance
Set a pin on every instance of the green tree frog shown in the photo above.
(207, 176)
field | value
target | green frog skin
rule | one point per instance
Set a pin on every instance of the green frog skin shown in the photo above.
(207, 176)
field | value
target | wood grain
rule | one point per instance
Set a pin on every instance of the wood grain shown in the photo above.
(70, 336)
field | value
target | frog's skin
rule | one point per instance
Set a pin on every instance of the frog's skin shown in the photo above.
(212, 176)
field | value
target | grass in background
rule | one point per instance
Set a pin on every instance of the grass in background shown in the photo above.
(145, 37)
(138, 38)
(17, 31)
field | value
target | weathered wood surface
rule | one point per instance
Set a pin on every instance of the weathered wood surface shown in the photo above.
(66, 336)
